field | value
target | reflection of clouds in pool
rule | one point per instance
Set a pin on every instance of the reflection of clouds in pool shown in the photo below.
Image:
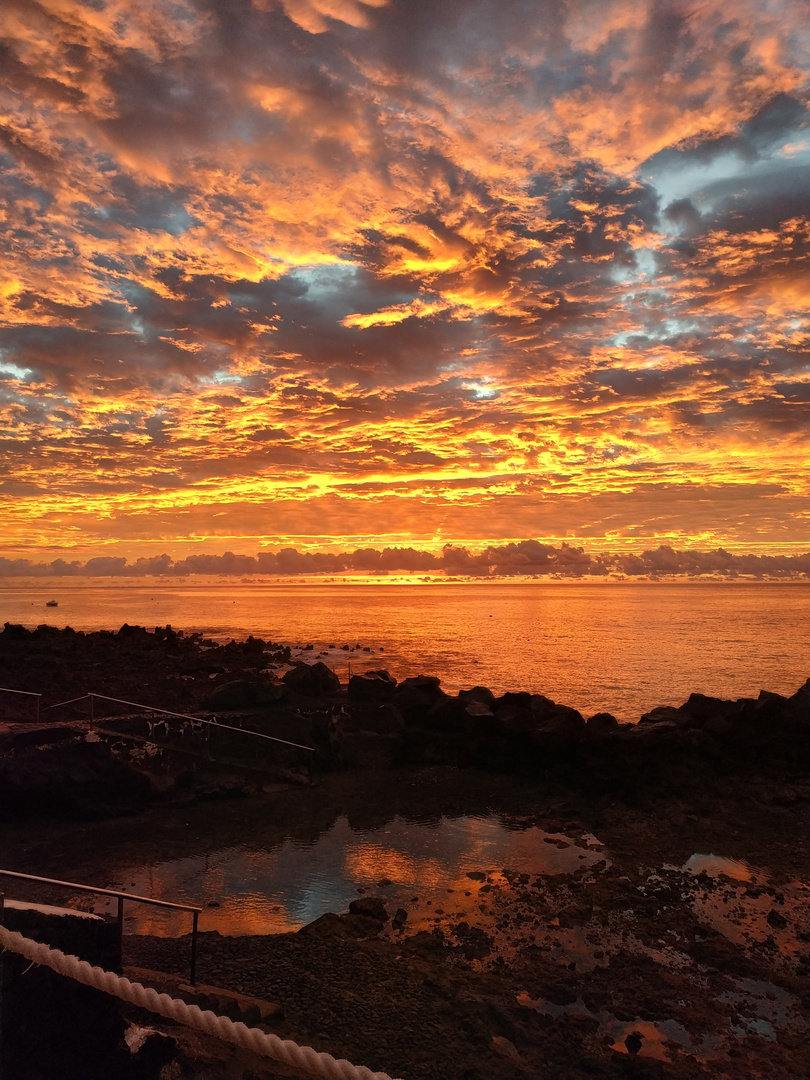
(369, 863)
(291, 884)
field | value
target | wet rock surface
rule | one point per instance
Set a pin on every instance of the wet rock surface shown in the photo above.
(576, 972)
(650, 933)
(675, 944)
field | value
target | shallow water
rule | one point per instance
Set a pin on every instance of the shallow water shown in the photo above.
(283, 888)
(621, 647)
(717, 865)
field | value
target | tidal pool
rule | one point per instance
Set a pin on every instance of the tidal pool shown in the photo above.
(717, 866)
(246, 889)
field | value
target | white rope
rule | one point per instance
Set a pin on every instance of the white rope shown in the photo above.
(260, 1042)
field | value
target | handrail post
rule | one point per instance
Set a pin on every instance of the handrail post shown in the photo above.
(2, 916)
(121, 926)
(92, 709)
(193, 975)
(121, 897)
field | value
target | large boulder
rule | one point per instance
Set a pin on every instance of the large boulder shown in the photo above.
(513, 702)
(370, 906)
(341, 927)
(138, 633)
(701, 707)
(481, 694)
(372, 687)
(560, 723)
(477, 708)
(663, 713)
(601, 724)
(449, 714)
(244, 694)
(311, 680)
(416, 696)
(801, 699)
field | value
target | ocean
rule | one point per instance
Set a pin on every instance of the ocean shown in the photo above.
(621, 647)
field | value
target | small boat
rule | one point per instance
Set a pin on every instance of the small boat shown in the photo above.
(52, 603)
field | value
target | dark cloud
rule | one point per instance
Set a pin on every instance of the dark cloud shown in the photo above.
(683, 214)
(525, 557)
(781, 117)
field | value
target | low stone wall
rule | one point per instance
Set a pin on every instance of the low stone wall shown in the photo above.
(52, 1027)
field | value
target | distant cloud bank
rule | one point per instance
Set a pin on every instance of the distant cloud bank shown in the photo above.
(526, 557)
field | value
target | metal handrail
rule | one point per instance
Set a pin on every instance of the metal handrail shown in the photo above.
(183, 716)
(121, 897)
(25, 693)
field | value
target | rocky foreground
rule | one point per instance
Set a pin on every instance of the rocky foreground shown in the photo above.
(677, 949)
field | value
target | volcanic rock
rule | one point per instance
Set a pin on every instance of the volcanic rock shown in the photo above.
(312, 680)
(371, 906)
(369, 750)
(372, 686)
(478, 694)
(601, 723)
(415, 696)
(245, 694)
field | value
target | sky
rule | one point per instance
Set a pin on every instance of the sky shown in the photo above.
(331, 274)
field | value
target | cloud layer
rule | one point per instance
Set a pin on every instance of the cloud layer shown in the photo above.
(315, 270)
(527, 557)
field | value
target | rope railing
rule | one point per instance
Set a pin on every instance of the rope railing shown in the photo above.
(181, 716)
(305, 1058)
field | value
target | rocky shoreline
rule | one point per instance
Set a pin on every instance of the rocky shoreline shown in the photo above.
(133, 757)
(679, 949)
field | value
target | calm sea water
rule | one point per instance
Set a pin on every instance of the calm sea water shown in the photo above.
(622, 647)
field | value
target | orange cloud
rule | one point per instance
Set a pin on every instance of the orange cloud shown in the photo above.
(328, 268)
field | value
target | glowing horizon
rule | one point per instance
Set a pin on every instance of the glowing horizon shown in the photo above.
(340, 273)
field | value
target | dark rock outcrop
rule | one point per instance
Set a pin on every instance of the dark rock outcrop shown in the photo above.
(374, 723)
(342, 927)
(414, 696)
(245, 694)
(371, 906)
(480, 694)
(311, 680)
(371, 687)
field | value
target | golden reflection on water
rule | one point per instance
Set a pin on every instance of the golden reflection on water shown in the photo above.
(373, 863)
(254, 891)
(621, 648)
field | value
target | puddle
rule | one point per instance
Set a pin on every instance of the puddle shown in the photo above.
(759, 1005)
(756, 916)
(717, 866)
(439, 872)
(642, 1038)
(661, 1039)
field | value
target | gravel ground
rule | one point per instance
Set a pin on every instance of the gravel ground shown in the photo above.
(542, 976)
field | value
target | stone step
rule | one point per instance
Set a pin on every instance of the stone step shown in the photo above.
(255, 1012)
